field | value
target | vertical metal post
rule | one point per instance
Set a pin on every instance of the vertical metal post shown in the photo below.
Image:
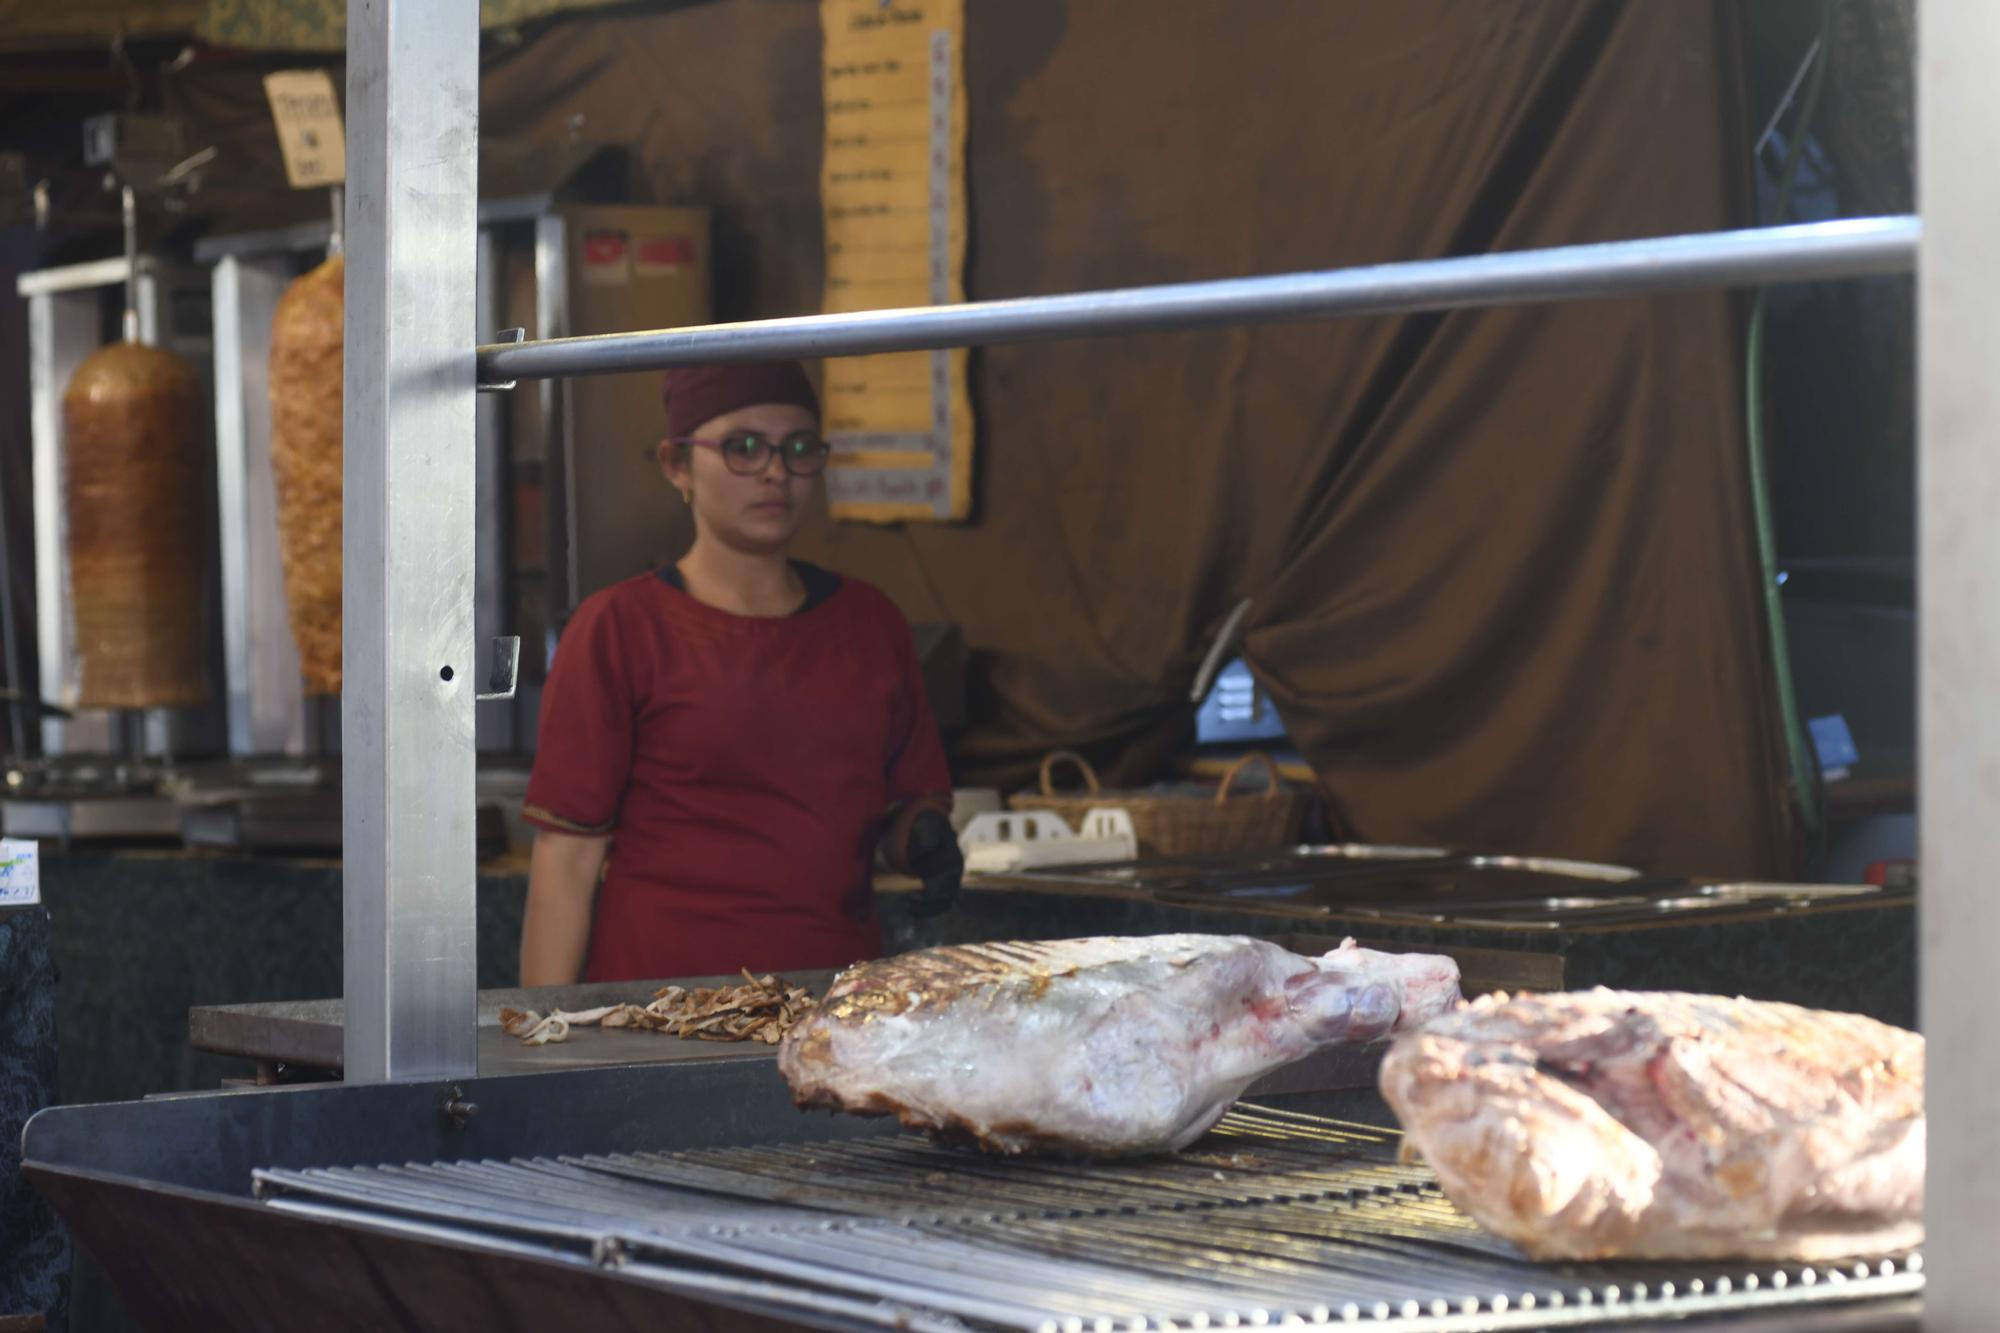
(128, 212)
(408, 670)
(1958, 562)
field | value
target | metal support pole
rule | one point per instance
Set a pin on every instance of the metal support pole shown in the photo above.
(1958, 564)
(128, 213)
(1843, 249)
(408, 670)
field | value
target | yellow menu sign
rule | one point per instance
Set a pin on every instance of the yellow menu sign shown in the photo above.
(892, 185)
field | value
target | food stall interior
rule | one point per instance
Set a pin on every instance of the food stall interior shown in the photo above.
(430, 1187)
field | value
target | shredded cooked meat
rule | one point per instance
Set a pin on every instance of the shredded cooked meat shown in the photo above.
(762, 1009)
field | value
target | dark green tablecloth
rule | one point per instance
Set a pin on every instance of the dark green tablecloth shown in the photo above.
(142, 938)
(34, 1253)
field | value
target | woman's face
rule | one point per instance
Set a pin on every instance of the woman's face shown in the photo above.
(756, 513)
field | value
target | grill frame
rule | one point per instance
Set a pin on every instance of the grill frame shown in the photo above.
(1276, 1219)
(161, 1190)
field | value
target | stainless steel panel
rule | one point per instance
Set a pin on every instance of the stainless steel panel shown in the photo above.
(1846, 248)
(171, 304)
(107, 817)
(409, 671)
(1958, 566)
(266, 709)
(64, 327)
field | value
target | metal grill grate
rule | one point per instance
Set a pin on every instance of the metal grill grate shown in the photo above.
(1275, 1218)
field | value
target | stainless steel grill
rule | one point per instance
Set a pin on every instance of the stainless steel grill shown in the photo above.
(1275, 1219)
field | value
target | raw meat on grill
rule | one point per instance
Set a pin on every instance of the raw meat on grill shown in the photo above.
(1102, 1046)
(1614, 1124)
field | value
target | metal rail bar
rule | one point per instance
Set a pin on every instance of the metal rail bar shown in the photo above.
(1848, 248)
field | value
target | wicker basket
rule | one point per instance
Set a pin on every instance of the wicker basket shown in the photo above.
(1178, 823)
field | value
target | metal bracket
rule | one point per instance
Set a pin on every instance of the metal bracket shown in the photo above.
(504, 336)
(506, 670)
(29, 705)
(458, 1112)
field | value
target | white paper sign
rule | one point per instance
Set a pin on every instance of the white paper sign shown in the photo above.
(309, 130)
(20, 873)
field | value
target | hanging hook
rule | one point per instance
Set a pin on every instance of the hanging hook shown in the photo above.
(128, 208)
(336, 241)
(121, 59)
(504, 336)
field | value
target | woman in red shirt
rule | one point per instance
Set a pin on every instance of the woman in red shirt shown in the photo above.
(730, 740)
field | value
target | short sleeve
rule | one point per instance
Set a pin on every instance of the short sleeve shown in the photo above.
(917, 767)
(583, 749)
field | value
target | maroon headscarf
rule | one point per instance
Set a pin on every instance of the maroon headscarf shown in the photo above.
(700, 394)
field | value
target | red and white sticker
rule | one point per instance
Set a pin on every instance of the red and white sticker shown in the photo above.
(663, 256)
(607, 257)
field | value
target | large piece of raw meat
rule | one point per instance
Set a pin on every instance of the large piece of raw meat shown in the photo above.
(1609, 1124)
(1102, 1046)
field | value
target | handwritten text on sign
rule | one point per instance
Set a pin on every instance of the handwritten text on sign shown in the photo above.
(893, 189)
(309, 132)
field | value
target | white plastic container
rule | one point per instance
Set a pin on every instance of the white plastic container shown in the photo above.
(996, 843)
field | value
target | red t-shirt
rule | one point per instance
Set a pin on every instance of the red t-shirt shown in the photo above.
(743, 766)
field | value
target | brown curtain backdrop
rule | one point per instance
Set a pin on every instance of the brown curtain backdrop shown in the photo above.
(1501, 561)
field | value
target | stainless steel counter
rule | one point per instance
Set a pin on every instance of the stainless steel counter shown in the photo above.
(305, 1035)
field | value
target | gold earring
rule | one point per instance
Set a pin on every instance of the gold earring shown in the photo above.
(687, 498)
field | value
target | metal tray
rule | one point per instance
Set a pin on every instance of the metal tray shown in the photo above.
(1431, 887)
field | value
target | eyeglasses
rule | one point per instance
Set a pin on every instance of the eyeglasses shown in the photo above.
(746, 452)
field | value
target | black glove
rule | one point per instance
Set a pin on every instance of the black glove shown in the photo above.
(932, 854)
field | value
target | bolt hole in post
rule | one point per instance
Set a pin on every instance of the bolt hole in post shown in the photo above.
(444, 673)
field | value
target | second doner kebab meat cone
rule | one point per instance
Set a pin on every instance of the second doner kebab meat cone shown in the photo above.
(306, 370)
